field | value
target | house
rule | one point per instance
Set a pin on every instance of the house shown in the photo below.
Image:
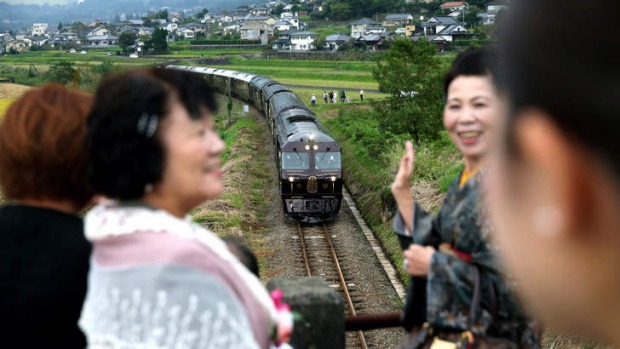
(269, 20)
(397, 20)
(293, 19)
(186, 33)
(99, 31)
(336, 41)
(224, 19)
(39, 40)
(145, 31)
(283, 25)
(452, 6)
(442, 28)
(100, 40)
(195, 27)
(172, 27)
(17, 45)
(39, 29)
(135, 22)
(255, 30)
(231, 28)
(303, 41)
(283, 42)
(358, 28)
(260, 11)
(375, 30)
(369, 41)
(493, 9)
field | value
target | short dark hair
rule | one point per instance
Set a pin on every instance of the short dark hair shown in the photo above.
(243, 253)
(42, 153)
(559, 58)
(475, 61)
(124, 158)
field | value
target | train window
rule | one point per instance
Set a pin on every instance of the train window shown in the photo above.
(295, 161)
(327, 160)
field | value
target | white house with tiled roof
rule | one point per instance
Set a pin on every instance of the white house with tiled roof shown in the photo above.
(303, 41)
(397, 19)
(358, 28)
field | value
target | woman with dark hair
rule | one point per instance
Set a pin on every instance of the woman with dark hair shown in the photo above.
(43, 254)
(449, 255)
(157, 279)
(554, 184)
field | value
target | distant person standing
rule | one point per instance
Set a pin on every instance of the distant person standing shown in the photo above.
(362, 95)
(343, 96)
(313, 100)
(325, 96)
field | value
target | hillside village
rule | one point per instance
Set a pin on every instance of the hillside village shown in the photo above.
(276, 25)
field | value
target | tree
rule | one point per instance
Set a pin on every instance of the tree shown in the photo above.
(412, 74)
(278, 10)
(158, 41)
(62, 72)
(202, 13)
(126, 40)
(340, 11)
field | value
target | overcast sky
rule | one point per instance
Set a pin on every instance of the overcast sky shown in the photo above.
(36, 2)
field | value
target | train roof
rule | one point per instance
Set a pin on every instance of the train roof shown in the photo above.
(260, 81)
(270, 90)
(243, 76)
(299, 123)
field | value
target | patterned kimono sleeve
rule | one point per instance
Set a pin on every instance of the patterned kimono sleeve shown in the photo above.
(425, 228)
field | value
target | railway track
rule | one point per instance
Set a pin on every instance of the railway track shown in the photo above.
(321, 259)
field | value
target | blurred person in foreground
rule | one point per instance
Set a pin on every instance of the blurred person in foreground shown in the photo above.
(554, 184)
(157, 279)
(444, 253)
(44, 256)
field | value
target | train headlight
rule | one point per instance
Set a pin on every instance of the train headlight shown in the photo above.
(307, 147)
(291, 179)
(333, 178)
(315, 147)
(311, 137)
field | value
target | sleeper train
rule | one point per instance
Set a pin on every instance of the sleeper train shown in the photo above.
(308, 159)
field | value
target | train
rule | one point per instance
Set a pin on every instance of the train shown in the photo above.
(309, 160)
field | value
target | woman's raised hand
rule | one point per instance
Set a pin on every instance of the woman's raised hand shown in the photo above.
(400, 186)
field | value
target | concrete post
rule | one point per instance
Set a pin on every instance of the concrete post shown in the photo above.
(321, 309)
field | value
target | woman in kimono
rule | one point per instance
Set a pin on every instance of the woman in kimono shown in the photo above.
(157, 279)
(445, 252)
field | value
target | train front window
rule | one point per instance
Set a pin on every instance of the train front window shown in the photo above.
(327, 160)
(295, 161)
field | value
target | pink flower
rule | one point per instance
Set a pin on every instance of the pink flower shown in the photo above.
(284, 320)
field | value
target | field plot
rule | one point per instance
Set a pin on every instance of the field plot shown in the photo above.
(306, 77)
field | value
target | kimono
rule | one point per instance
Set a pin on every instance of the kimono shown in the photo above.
(450, 281)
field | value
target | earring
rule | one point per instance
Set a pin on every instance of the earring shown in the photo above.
(148, 188)
(547, 220)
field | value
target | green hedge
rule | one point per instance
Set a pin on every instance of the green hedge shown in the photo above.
(467, 43)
